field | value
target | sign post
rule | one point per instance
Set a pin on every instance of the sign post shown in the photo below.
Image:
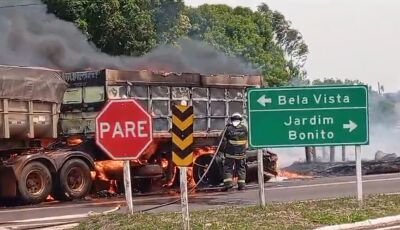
(359, 175)
(123, 132)
(310, 116)
(128, 186)
(343, 153)
(260, 163)
(184, 198)
(182, 151)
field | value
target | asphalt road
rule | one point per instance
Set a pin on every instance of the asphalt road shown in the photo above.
(25, 217)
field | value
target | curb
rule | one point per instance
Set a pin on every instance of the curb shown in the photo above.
(363, 224)
(62, 227)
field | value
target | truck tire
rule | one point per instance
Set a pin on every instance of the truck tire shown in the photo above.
(147, 171)
(73, 181)
(214, 175)
(35, 183)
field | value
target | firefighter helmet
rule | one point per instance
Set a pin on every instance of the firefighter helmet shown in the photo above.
(236, 117)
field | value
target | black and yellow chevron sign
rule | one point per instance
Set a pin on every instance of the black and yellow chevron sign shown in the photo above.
(182, 135)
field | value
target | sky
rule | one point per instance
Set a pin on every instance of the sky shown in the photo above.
(355, 39)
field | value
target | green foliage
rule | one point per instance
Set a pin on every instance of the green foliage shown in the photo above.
(243, 33)
(170, 22)
(69, 10)
(263, 38)
(288, 39)
(289, 215)
(116, 27)
(121, 26)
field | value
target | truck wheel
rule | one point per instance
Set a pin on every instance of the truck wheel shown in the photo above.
(35, 183)
(74, 180)
(147, 171)
(213, 176)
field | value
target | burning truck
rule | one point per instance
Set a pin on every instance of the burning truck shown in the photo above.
(47, 129)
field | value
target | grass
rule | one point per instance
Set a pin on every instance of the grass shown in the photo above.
(292, 215)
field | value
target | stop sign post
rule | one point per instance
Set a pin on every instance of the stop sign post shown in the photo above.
(123, 132)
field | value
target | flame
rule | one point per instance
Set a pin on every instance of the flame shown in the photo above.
(150, 150)
(44, 142)
(171, 181)
(189, 175)
(113, 186)
(104, 169)
(74, 140)
(109, 171)
(155, 68)
(93, 174)
(190, 178)
(203, 150)
(197, 152)
(292, 175)
(164, 163)
(49, 198)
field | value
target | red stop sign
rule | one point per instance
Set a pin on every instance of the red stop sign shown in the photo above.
(123, 129)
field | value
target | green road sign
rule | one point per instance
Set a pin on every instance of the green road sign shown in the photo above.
(308, 116)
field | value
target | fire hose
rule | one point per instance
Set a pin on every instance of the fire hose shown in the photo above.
(198, 182)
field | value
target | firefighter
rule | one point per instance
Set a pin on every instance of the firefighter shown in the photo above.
(235, 152)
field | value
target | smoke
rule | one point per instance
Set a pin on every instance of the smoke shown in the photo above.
(31, 37)
(193, 56)
(384, 118)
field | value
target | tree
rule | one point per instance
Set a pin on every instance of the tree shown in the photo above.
(263, 38)
(117, 27)
(289, 39)
(243, 33)
(129, 27)
(121, 27)
(169, 19)
(69, 10)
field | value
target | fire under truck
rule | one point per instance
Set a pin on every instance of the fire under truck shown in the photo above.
(47, 129)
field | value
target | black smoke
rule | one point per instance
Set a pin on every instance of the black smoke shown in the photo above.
(31, 37)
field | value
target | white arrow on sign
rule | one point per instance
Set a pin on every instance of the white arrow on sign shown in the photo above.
(264, 100)
(351, 126)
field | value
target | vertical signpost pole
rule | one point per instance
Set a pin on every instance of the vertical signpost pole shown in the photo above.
(359, 175)
(128, 186)
(261, 177)
(184, 198)
(182, 151)
(343, 153)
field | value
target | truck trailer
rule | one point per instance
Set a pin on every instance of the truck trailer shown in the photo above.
(47, 129)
